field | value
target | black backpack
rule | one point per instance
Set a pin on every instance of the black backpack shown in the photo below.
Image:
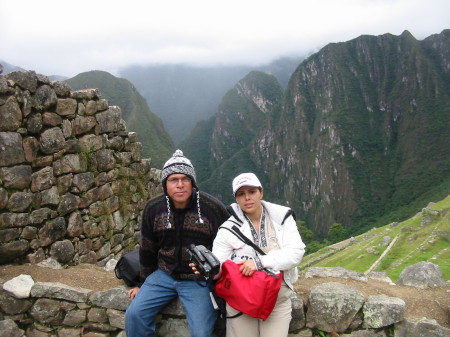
(128, 268)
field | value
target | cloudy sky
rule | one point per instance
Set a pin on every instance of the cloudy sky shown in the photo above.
(60, 37)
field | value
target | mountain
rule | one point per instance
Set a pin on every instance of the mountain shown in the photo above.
(393, 247)
(360, 135)
(156, 142)
(222, 146)
(8, 68)
(183, 95)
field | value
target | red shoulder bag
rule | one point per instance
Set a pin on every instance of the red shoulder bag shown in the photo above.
(254, 295)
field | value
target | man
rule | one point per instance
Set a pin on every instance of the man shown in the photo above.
(170, 223)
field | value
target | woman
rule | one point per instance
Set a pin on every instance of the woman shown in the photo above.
(273, 228)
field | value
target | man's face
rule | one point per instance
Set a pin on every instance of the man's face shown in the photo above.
(179, 189)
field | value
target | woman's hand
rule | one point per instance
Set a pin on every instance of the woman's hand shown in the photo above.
(248, 267)
(133, 292)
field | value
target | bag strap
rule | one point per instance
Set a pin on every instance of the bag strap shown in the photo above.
(236, 231)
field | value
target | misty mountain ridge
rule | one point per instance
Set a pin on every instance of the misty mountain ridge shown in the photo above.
(183, 95)
(156, 142)
(360, 135)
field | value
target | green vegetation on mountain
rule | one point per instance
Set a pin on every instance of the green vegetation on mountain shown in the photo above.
(231, 133)
(360, 137)
(156, 142)
(423, 237)
(199, 141)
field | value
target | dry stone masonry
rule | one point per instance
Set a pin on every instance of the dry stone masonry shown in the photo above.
(43, 309)
(72, 180)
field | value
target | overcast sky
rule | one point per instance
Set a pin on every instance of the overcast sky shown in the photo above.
(60, 37)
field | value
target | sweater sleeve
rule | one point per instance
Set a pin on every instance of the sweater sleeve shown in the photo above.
(148, 250)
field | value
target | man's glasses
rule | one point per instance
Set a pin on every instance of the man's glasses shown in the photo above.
(174, 181)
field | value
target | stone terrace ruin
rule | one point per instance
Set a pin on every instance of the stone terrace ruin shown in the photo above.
(72, 181)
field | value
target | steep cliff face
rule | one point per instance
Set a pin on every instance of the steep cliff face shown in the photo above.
(361, 131)
(364, 129)
(245, 111)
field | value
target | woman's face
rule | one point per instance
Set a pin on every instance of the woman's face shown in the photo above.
(249, 199)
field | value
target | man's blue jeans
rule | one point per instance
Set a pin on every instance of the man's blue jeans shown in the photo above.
(159, 289)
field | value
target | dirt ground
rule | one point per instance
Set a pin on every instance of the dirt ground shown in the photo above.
(430, 303)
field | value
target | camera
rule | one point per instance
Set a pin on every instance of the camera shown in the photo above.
(205, 261)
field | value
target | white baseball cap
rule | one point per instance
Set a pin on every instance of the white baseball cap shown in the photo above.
(245, 179)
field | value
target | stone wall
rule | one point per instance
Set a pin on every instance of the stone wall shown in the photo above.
(72, 180)
(333, 309)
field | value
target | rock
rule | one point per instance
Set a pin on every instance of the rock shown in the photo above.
(386, 241)
(19, 286)
(62, 251)
(16, 177)
(362, 333)
(56, 290)
(12, 250)
(379, 276)
(110, 265)
(11, 149)
(420, 328)
(66, 106)
(52, 140)
(109, 121)
(50, 263)
(42, 179)
(44, 98)
(332, 306)
(422, 275)
(381, 311)
(338, 272)
(10, 329)
(298, 320)
(25, 79)
(10, 115)
(116, 298)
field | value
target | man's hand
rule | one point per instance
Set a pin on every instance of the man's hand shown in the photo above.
(133, 292)
(194, 268)
(196, 272)
(248, 267)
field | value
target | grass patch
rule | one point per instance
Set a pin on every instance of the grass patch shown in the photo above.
(423, 237)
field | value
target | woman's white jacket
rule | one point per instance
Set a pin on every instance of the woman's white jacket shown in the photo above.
(228, 246)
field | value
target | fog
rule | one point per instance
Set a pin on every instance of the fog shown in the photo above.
(64, 38)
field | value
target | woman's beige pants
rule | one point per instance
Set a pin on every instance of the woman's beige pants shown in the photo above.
(276, 325)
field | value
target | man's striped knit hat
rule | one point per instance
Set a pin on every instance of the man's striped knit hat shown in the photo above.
(178, 163)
